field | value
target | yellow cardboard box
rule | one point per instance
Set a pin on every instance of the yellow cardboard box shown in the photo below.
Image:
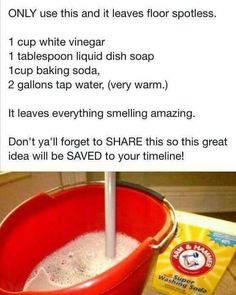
(196, 259)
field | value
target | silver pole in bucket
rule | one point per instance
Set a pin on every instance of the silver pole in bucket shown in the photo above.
(110, 214)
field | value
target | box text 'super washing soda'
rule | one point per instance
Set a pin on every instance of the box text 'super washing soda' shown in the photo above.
(196, 259)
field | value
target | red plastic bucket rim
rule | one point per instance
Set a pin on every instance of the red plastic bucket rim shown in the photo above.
(171, 227)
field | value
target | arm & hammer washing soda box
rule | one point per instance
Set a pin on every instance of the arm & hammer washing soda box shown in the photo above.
(196, 258)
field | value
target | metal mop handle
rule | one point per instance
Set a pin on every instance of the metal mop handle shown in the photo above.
(110, 214)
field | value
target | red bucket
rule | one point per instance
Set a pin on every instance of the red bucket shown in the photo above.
(46, 222)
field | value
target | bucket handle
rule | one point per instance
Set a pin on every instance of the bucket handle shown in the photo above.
(172, 228)
(141, 188)
(165, 241)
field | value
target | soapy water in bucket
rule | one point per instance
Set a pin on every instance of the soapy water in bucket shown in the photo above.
(78, 261)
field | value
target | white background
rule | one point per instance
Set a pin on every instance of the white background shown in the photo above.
(196, 56)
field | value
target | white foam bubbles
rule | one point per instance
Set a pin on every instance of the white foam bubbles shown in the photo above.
(78, 261)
